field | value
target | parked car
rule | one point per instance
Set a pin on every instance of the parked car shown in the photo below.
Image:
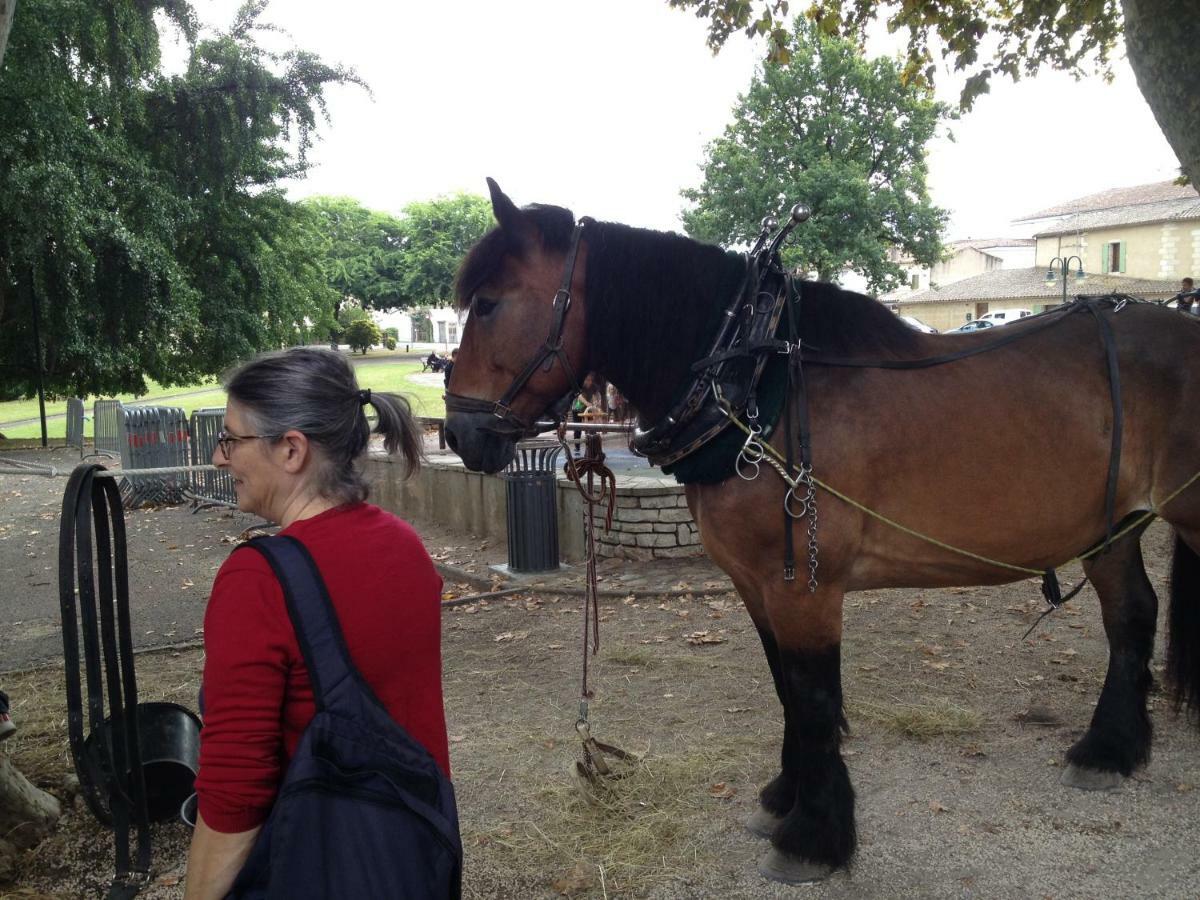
(917, 324)
(1004, 316)
(975, 325)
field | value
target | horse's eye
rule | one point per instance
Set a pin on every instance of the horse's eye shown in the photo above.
(484, 307)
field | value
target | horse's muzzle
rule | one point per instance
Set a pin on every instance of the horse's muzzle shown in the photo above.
(483, 442)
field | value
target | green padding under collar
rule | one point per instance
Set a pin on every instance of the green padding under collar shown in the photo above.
(716, 460)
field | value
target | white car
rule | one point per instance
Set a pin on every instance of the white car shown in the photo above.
(1004, 316)
(917, 325)
(974, 325)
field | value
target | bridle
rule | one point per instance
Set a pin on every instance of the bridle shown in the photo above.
(550, 350)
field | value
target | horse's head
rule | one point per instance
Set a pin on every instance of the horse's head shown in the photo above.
(523, 348)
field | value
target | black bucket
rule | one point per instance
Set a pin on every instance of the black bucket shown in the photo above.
(169, 735)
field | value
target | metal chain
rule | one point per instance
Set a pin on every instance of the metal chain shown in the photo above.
(748, 465)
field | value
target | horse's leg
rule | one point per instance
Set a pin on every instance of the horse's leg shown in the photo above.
(775, 800)
(817, 834)
(1118, 740)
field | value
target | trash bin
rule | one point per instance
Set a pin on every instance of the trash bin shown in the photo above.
(531, 486)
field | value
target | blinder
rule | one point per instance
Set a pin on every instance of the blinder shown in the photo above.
(509, 424)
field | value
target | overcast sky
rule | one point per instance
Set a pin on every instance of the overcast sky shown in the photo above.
(605, 106)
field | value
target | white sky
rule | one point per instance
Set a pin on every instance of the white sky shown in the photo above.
(605, 106)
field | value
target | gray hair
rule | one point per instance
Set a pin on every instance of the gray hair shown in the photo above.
(315, 392)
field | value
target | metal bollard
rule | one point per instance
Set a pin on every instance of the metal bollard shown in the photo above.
(531, 484)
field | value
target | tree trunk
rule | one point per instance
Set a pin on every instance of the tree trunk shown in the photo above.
(1161, 37)
(27, 814)
(7, 7)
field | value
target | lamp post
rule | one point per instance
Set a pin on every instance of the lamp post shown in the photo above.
(1063, 265)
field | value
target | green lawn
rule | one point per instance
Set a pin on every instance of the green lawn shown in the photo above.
(395, 377)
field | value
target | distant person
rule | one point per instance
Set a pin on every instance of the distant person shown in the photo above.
(615, 402)
(450, 367)
(1187, 295)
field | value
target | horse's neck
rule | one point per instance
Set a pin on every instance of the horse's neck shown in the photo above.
(650, 397)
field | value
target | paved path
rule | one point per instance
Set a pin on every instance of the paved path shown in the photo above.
(174, 556)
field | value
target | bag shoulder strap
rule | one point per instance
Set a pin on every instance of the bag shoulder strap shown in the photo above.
(318, 633)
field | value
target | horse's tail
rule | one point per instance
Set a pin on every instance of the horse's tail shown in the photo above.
(1183, 630)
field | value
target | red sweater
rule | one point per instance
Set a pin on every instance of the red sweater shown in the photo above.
(257, 695)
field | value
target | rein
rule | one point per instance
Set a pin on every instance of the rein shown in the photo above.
(598, 486)
(551, 350)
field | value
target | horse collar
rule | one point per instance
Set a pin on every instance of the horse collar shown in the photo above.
(551, 350)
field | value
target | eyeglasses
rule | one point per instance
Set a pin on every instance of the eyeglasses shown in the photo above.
(226, 439)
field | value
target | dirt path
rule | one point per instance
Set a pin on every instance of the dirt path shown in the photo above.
(959, 728)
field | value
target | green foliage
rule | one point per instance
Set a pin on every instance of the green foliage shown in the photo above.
(141, 209)
(360, 252)
(362, 335)
(380, 261)
(437, 235)
(1065, 34)
(422, 327)
(841, 133)
(392, 332)
(389, 342)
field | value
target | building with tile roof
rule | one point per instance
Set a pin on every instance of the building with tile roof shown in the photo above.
(1139, 240)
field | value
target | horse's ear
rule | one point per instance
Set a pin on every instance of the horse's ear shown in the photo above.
(511, 220)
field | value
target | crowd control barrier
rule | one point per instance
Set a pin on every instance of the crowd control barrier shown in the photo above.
(108, 428)
(75, 419)
(209, 488)
(155, 437)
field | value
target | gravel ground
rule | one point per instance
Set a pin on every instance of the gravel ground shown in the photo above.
(959, 728)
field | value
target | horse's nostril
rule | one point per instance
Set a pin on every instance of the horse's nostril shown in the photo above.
(451, 440)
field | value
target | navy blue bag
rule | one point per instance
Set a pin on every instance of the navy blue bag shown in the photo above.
(364, 811)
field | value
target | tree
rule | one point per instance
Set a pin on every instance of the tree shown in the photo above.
(7, 8)
(436, 236)
(1078, 36)
(141, 211)
(360, 252)
(362, 335)
(841, 133)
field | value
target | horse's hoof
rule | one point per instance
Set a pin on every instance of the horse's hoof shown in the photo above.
(1091, 779)
(791, 869)
(763, 823)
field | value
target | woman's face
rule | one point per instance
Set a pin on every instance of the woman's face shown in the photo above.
(257, 476)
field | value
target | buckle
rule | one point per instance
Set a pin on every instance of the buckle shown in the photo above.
(502, 412)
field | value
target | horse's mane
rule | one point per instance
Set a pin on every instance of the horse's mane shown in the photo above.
(653, 303)
(655, 300)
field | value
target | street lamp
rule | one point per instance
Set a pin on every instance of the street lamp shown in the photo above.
(1061, 264)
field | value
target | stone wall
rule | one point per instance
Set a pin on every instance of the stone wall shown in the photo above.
(649, 523)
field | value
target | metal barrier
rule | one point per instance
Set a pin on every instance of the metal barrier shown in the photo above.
(532, 488)
(155, 437)
(108, 428)
(213, 487)
(75, 420)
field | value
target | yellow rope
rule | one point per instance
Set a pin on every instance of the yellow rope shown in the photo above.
(779, 464)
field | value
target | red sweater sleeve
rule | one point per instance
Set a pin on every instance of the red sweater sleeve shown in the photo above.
(247, 635)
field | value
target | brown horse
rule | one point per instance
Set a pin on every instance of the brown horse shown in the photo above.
(908, 443)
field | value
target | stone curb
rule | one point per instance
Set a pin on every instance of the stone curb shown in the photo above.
(453, 573)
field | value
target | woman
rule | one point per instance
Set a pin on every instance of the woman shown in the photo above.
(295, 428)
